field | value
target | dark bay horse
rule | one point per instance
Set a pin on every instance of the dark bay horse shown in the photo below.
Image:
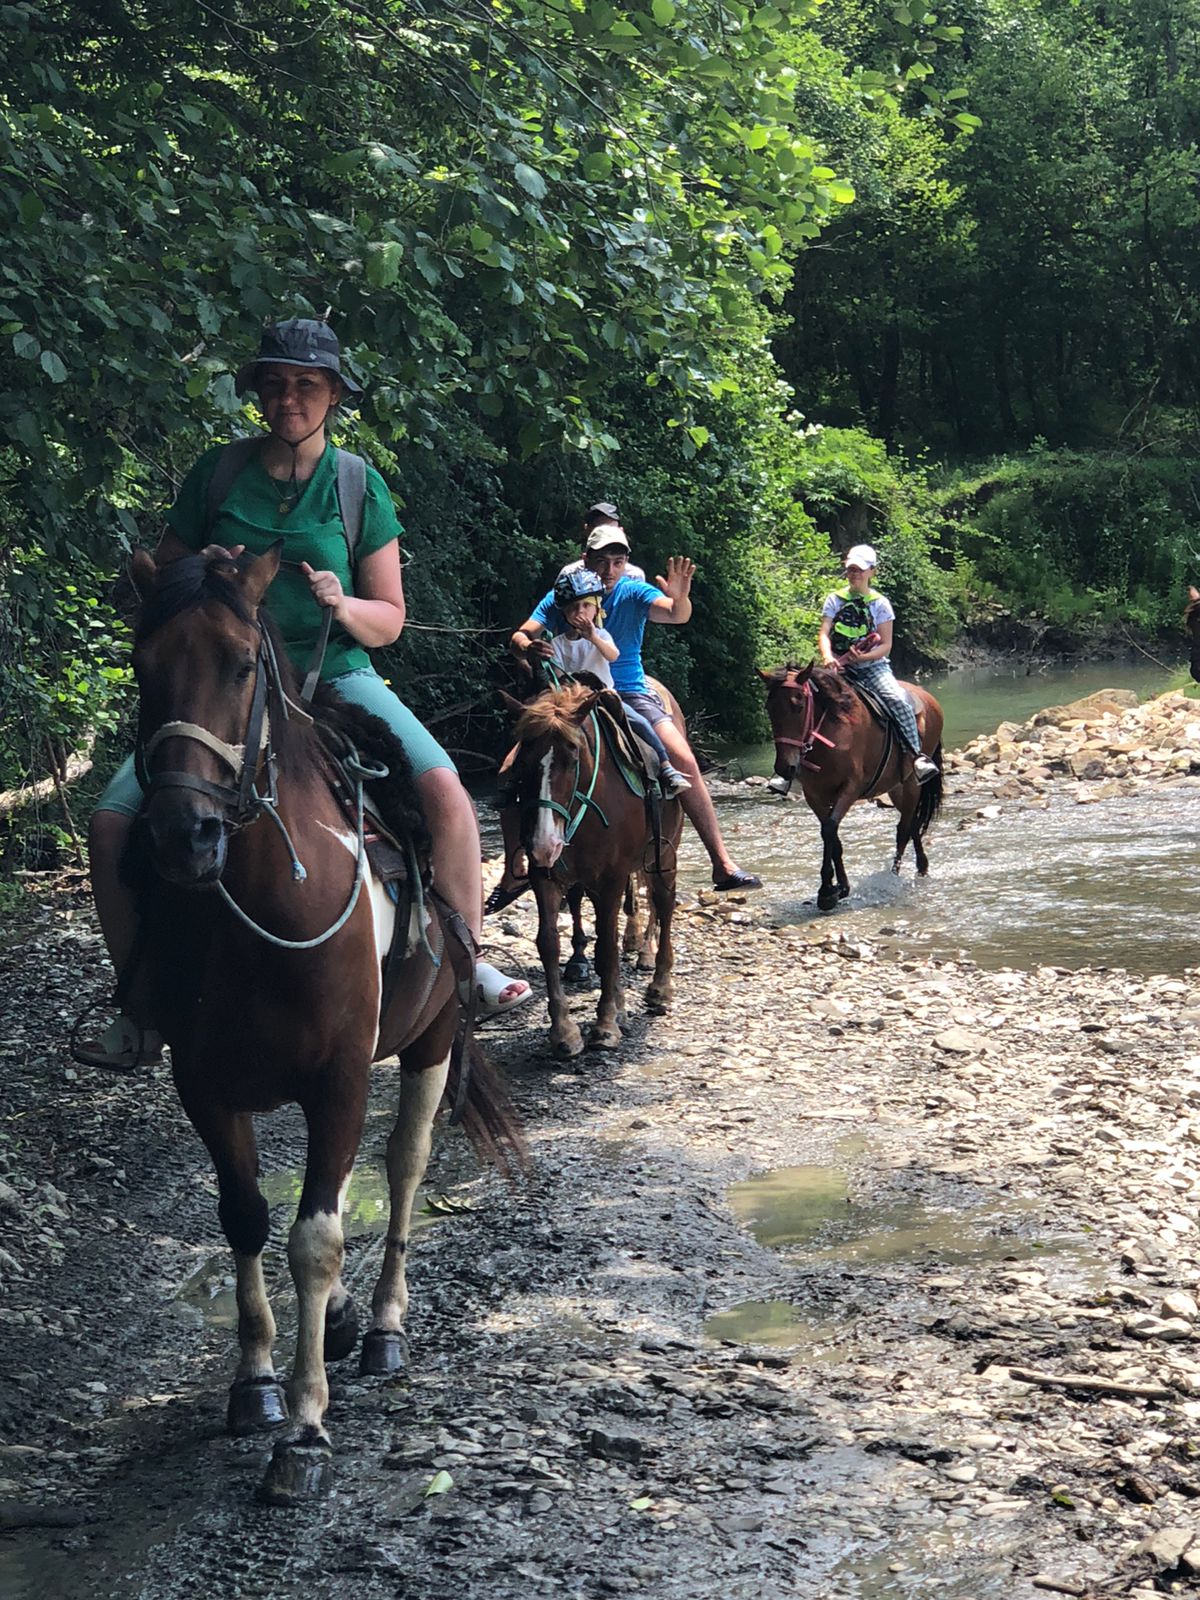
(827, 738)
(582, 825)
(1191, 618)
(263, 933)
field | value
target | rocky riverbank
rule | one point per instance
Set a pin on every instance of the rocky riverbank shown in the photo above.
(1106, 744)
(946, 1338)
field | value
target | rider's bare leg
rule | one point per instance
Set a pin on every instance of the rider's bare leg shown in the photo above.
(697, 802)
(108, 834)
(456, 853)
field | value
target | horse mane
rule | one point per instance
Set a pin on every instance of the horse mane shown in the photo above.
(186, 583)
(556, 712)
(830, 686)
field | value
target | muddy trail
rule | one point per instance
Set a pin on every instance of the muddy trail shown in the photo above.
(749, 1331)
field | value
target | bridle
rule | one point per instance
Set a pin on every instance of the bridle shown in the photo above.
(242, 802)
(586, 801)
(810, 729)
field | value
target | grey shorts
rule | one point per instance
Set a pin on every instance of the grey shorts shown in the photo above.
(650, 706)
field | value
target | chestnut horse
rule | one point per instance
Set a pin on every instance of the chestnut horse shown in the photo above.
(262, 944)
(825, 736)
(1191, 618)
(582, 825)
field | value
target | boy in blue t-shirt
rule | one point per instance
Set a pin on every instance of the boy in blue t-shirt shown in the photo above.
(629, 603)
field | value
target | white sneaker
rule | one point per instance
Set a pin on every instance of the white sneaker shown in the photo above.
(675, 781)
(925, 768)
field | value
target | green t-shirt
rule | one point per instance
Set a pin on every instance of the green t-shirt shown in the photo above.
(312, 532)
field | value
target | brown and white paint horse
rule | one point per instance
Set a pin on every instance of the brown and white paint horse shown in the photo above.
(268, 989)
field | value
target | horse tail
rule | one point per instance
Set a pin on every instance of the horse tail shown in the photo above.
(489, 1118)
(929, 802)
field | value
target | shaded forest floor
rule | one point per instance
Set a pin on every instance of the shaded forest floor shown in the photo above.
(973, 1172)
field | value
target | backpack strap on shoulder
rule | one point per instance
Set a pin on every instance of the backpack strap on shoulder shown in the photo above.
(351, 494)
(235, 457)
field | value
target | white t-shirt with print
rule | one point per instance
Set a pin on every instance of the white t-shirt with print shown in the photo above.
(581, 655)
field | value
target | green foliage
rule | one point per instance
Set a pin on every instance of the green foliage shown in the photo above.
(65, 661)
(1081, 539)
(855, 492)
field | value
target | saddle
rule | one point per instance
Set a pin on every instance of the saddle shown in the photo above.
(392, 857)
(878, 709)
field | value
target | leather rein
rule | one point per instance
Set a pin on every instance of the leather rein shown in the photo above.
(242, 802)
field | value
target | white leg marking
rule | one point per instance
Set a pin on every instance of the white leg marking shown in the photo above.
(256, 1325)
(407, 1158)
(548, 838)
(315, 1257)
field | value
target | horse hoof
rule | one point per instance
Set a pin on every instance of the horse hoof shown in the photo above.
(844, 892)
(645, 963)
(341, 1331)
(577, 970)
(568, 1049)
(255, 1406)
(384, 1353)
(658, 1001)
(604, 1039)
(299, 1470)
(827, 900)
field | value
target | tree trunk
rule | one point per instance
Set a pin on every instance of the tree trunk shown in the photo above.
(889, 374)
(1008, 420)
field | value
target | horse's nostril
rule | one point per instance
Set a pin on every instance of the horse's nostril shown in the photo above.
(206, 832)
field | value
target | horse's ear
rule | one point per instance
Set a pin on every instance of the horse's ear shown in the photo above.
(261, 573)
(511, 704)
(143, 572)
(764, 675)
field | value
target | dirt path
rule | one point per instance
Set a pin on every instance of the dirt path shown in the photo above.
(997, 1170)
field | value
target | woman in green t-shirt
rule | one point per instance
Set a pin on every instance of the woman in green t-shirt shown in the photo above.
(289, 489)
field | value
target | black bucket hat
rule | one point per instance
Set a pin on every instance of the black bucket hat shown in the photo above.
(298, 342)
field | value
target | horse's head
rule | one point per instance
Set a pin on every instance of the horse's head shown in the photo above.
(790, 709)
(202, 724)
(546, 772)
(1191, 619)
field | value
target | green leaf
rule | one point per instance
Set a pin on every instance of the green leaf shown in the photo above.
(530, 180)
(757, 138)
(53, 367)
(25, 345)
(597, 166)
(383, 263)
(642, 1503)
(31, 209)
(440, 1483)
(841, 193)
(699, 436)
(967, 122)
(664, 12)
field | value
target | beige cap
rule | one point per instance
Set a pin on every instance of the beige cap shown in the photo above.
(607, 533)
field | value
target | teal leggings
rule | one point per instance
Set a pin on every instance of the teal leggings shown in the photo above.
(362, 688)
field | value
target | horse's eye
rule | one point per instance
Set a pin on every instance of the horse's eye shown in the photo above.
(244, 671)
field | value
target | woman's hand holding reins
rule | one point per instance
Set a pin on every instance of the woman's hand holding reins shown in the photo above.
(326, 587)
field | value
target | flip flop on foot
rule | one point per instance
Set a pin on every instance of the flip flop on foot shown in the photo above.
(124, 1046)
(737, 879)
(496, 993)
(502, 896)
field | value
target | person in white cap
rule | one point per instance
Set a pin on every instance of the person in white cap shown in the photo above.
(856, 635)
(629, 603)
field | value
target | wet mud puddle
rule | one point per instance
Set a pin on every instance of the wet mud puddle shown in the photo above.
(809, 1216)
(883, 1525)
(208, 1295)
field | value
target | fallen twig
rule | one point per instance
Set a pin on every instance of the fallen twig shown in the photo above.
(1092, 1385)
(1059, 1585)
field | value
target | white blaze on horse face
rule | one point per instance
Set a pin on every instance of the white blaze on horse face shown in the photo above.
(548, 838)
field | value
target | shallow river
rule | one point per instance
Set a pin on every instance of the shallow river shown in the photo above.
(1111, 884)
